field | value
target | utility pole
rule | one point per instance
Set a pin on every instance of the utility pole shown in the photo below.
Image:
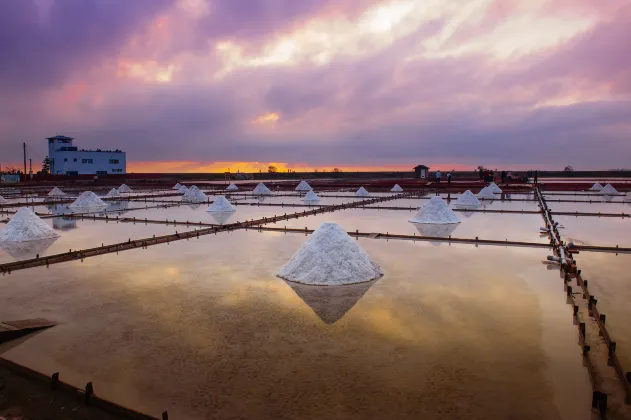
(30, 166)
(24, 149)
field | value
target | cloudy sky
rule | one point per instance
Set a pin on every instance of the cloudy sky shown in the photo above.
(206, 85)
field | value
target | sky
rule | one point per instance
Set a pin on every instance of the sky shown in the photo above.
(207, 85)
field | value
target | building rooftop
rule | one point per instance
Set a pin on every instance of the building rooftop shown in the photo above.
(59, 137)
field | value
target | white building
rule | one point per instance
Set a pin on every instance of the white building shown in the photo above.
(66, 159)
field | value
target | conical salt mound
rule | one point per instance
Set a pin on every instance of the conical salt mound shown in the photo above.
(56, 192)
(124, 189)
(486, 193)
(596, 187)
(194, 196)
(3, 200)
(177, 186)
(232, 187)
(494, 188)
(261, 189)
(467, 199)
(221, 204)
(330, 257)
(183, 189)
(26, 226)
(303, 186)
(436, 231)
(88, 200)
(194, 188)
(361, 192)
(609, 189)
(113, 193)
(396, 188)
(311, 196)
(435, 211)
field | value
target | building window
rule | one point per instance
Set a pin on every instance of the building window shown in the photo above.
(74, 160)
(117, 170)
(65, 159)
(113, 161)
(87, 161)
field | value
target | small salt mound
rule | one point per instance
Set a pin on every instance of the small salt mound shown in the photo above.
(221, 204)
(303, 186)
(467, 199)
(361, 192)
(435, 211)
(87, 200)
(232, 187)
(177, 186)
(194, 188)
(183, 189)
(396, 188)
(56, 192)
(596, 187)
(113, 193)
(486, 193)
(261, 189)
(3, 200)
(494, 188)
(26, 226)
(609, 189)
(311, 196)
(330, 257)
(194, 196)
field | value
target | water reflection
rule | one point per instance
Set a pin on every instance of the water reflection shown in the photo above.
(64, 223)
(436, 230)
(221, 217)
(331, 303)
(117, 207)
(24, 250)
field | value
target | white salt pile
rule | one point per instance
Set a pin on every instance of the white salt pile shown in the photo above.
(397, 188)
(113, 193)
(124, 189)
(56, 192)
(194, 188)
(88, 200)
(361, 192)
(194, 196)
(494, 188)
(609, 189)
(3, 200)
(303, 186)
(436, 230)
(435, 211)
(261, 189)
(221, 204)
(486, 193)
(330, 257)
(26, 226)
(596, 187)
(177, 186)
(467, 199)
(627, 197)
(311, 197)
(183, 189)
(232, 187)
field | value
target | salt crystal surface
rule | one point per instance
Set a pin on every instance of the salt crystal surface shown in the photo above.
(88, 200)
(486, 193)
(113, 193)
(596, 187)
(56, 192)
(467, 199)
(361, 192)
(194, 196)
(330, 257)
(221, 204)
(124, 189)
(494, 188)
(397, 188)
(194, 188)
(183, 189)
(261, 189)
(435, 211)
(303, 186)
(232, 187)
(26, 226)
(609, 189)
(177, 186)
(311, 196)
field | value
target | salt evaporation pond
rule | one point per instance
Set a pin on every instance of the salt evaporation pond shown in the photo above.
(607, 231)
(207, 331)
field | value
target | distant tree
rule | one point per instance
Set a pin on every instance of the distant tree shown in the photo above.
(337, 170)
(46, 166)
(272, 169)
(568, 169)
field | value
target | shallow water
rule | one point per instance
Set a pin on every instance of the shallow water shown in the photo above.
(606, 231)
(204, 329)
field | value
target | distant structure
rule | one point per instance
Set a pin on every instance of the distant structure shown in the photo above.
(66, 159)
(421, 171)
